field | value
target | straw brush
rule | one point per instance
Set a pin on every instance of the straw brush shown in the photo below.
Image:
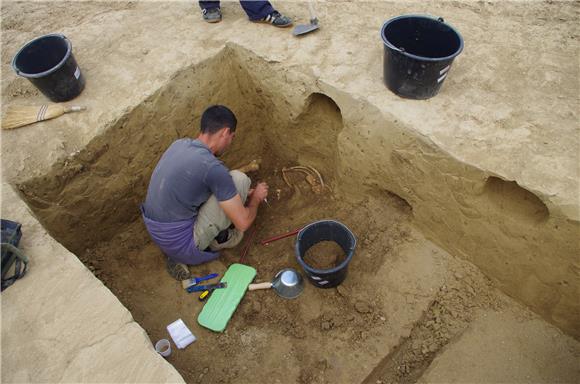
(19, 116)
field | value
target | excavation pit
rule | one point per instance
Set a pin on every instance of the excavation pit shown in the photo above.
(90, 203)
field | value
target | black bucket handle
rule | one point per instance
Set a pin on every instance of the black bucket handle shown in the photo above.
(402, 50)
(48, 71)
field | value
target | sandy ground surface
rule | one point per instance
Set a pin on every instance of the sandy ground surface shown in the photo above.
(60, 324)
(405, 298)
(499, 336)
(538, 118)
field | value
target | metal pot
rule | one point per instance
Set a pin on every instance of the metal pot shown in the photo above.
(288, 283)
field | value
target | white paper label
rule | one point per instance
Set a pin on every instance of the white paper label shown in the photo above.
(77, 73)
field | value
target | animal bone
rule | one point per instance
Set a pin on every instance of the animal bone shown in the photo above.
(253, 165)
(313, 177)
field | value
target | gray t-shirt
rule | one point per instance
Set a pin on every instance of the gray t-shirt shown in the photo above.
(185, 177)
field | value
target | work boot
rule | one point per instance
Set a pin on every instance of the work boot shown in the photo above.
(233, 239)
(276, 19)
(178, 271)
(212, 15)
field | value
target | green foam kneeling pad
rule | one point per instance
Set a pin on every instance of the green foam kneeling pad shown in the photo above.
(223, 302)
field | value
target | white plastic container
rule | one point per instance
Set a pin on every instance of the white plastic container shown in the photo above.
(163, 347)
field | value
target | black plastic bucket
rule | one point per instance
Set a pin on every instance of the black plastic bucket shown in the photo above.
(49, 64)
(325, 230)
(419, 51)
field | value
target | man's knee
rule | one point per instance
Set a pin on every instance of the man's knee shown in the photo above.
(242, 182)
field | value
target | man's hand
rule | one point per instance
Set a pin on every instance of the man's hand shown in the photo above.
(259, 193)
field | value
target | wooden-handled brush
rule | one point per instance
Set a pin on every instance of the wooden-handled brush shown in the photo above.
(19, 116)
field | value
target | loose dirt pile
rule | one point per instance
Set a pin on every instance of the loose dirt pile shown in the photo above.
(324, 255)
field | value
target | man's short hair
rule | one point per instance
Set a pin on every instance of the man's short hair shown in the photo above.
(217, 117)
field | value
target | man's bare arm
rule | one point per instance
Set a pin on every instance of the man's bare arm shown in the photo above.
(243, 216)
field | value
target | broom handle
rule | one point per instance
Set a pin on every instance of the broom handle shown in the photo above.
(74, 108)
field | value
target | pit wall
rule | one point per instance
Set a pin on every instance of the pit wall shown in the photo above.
(524, 245)
(88, 197)
(508, 232)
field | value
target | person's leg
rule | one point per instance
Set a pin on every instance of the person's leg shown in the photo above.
(257, 10)
(211, 11)
(211, 219)
(263, 11)
(209, 4)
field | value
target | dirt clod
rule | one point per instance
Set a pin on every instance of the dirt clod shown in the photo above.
(363, 307)
(342, 291)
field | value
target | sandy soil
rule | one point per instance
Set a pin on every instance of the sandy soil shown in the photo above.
(348, 321)
(324, 255)
(405, 298)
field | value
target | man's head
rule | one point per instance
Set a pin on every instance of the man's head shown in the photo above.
(218, 124)
(217, 117)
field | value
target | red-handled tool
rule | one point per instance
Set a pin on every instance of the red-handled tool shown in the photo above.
(278, 237)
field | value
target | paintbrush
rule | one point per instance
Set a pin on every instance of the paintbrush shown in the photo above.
(195, 280)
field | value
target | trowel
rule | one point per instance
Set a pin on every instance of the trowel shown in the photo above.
(303, 29)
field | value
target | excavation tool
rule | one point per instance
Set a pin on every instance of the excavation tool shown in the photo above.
(223, 302)
(303, 29)
(19, 116)
(287, 283)
(209, 287)
(279, 237)
(203, 295)
(195, 280)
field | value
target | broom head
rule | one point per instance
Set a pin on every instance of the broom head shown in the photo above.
(18, 116)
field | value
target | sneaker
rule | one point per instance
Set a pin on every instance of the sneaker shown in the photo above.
(212, 15)
(178, 271)
(277, 19)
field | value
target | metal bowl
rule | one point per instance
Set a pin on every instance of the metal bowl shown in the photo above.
(288, 283)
